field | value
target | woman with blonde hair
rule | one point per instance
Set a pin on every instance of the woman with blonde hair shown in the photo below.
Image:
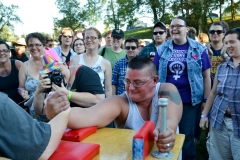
(90, 58)
(203, 38)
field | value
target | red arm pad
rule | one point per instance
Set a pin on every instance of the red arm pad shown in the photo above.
(76, 151)
(78, 135)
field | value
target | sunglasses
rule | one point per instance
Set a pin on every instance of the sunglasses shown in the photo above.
(66, 36)
(159, 32)
(216, 31)
(132, 47)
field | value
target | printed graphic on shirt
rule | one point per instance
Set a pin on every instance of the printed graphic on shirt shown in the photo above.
(177, 66)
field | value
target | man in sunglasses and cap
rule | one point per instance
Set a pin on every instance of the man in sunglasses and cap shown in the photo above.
(159, 37)
(115, 52)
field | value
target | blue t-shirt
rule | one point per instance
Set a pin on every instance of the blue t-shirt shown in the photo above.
(177, 70)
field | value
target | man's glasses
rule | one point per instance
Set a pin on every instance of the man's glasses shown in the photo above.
(5, 51)
(216, 31)
(132, 47)
(36, 45)
(78, 44)
(177, 26)
(159, 32)
(67, 36)
(91, 38)
(136, 84)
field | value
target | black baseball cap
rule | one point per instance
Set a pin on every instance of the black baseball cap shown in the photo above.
(117, 33)
(160, 24)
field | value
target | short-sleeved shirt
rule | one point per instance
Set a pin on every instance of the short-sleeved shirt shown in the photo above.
(86, 80)
(177, 70)
(112, 56)
(227, 95)
(216, 61)
(118, 75)
(21, 137)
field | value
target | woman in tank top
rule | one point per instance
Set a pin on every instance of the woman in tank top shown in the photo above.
(91, 59)
(9, 73)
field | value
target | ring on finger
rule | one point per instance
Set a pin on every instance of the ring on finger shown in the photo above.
(168, 145)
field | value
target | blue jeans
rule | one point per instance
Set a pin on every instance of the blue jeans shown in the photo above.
(187, 127)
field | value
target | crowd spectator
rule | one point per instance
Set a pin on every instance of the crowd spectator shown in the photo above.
(9, 69)
(29, 72)
(203, 38)
(115, 52)
(119, 71)
(19, 52)
(185, 63)
(142, 44)
(216, 50)
(64, 50)
(159, 37)
(49, 42)
(91, 59)
(79, 46)
(108, 38)
(223, 104)
(130, 110)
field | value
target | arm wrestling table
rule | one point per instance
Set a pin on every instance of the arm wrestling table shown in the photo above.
(117, 144)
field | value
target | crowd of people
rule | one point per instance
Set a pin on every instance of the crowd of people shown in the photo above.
(81, 83)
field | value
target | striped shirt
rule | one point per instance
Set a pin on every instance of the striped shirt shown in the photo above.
(227, 95)
(118, 75)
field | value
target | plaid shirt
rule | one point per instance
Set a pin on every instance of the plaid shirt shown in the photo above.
(118, 75)
(227, 95)
(147, 49)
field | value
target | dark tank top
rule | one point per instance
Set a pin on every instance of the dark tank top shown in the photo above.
(10, 84)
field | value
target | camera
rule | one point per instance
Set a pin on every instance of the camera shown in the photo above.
(55, 77)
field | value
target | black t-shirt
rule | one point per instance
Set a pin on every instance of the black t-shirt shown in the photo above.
(21, 137)
(86, 80)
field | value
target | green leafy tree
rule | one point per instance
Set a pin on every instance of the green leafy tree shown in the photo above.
(233, 8)
(7, 34)
(118, 12)
(8, 16)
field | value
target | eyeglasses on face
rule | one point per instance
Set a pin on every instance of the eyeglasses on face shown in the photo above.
(131, 47)
(159, 32)
(78, 44)
(4, 51)
(36, 45)
(135, 84)
(215, 31)
(177, 26)
(67, 36)
(50, 45)
(91, 38)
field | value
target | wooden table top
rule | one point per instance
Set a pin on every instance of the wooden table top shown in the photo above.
(117, 144)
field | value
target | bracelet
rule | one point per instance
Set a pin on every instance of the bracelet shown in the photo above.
(204, 116)
(204, 100)
(225, 56)
(69, 95)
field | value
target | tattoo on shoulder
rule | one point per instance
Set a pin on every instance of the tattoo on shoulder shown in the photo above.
(173, 96)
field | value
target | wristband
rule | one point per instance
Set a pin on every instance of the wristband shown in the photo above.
(204, 116)
(225, 56)
(69, 95)
(204, 99)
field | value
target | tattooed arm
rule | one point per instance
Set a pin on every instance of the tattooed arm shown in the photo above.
(174, 109)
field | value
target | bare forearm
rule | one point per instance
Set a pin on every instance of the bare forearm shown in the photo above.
(114, 90)
(86, 99)
(58, 125)
(38, 102)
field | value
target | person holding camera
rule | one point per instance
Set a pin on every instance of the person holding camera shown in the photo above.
(84, 84)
